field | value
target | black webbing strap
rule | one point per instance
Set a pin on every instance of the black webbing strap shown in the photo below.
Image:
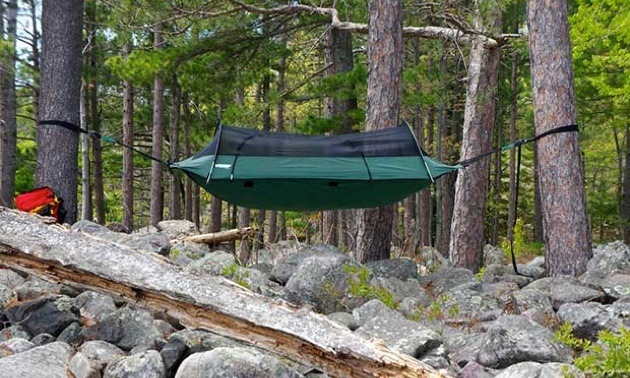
(520, 142)
(72, 127)
(518, 145)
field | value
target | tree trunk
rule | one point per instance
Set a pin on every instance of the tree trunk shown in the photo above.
(385, 60)
(8, 129)
(513, 117)
(471, 188)
(86, 186)
(245, 247)
(175, 193)
(565, 222)
(157, 174)
(205, 302)
(60, 91)
(216, 209)
(127, 158)
(425, 207)
(188, 184)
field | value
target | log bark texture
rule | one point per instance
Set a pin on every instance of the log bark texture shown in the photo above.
(222, 236)
(28, 244)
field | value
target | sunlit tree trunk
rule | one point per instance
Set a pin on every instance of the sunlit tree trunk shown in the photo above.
(86, 192)
(561, 176)
(471, 188)
(60, 91)
(385, 60)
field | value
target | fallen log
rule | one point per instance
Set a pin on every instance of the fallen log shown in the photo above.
(28, 244)
(222, 236)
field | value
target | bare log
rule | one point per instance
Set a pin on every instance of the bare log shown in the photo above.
(222, 236)
(28, 244)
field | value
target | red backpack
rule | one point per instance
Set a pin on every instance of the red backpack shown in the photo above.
(42, 201)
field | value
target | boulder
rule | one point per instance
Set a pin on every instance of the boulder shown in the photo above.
(92, 357)
(445, 279)
(513, 338)
(33, 287)
(403, 335)
(322, 281)
(50, 314)
(177, 229)
(143, 365)
(535, 369)
(16, 345)
(9, 278)
(234, 363)
(401, 269)
(287, 266)
(7, 297)
(588, 319)
(565, 289)
(212, 264)
(94, 306)
(50, 361)
(126, 328)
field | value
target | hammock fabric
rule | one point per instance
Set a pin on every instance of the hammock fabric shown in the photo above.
(279, 171)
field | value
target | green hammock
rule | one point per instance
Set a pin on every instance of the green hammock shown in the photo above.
(279, 171)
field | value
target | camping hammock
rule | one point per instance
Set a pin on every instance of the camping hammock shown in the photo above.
(280, 171)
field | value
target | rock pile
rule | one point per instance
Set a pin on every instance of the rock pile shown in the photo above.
(495, 324)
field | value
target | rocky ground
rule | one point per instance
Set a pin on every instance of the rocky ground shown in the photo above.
(495, 324)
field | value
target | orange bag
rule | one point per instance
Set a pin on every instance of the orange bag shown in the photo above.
(42, 201)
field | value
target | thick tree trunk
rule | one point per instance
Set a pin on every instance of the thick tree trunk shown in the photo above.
(561, 176)
(60, 87)
(385, 60)
(127, 158)
(471, 188)
(8, 126)
(222, 236)
(157, 173)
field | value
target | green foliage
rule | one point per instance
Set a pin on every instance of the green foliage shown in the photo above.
(436, 311)
(521, 247)
(359, 286)
(233, 272)
(609, 356)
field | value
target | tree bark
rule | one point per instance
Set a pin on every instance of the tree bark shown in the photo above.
(86, 182)
(385, 60)
(157, 173)
(245, 248)
(513, 117)
(216, 209)
(222, 236)
(208, 302)
(8, 126)
(471, 188)
(565, 222)
(127, 158)
(175, 193)
(60, 87)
